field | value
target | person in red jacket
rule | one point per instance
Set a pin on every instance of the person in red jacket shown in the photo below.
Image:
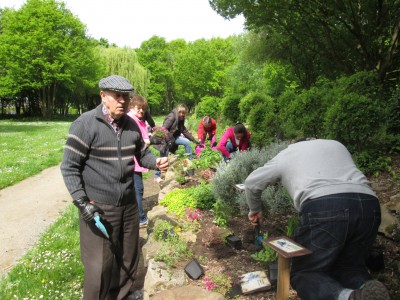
(234, 138)
(207, 126)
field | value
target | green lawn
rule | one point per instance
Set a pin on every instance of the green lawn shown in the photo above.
(51, 270)
(27, 148)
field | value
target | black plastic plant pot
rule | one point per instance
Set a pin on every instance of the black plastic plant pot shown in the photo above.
(273, 272)
(234, 241)
(190, 172)
(194, 270)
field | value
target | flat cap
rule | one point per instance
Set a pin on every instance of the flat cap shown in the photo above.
(116, 83)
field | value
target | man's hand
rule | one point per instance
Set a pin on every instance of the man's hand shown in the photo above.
(255, 217)
(162, 163)
(87, 209)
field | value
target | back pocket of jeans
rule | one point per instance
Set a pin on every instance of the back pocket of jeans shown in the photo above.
(328, 228)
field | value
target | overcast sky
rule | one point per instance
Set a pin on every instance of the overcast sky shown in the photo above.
(130, 22)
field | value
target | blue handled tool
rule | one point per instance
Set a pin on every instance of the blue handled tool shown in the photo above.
(100, 225)
(259, 236)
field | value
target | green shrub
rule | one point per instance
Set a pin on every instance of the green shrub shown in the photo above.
(263, 123)
(266, 255)
(209, 158)
(222, 213)
(160, 227)
(230, 108)
(248, 102)
(238, 169)
(173, 250)
(209, 106)
(178, 200)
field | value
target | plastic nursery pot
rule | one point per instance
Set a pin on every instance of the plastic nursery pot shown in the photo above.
(190, 172)
(167, 233)
(234, 241)
(273, 272)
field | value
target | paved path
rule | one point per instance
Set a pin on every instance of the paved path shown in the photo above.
(26, 210)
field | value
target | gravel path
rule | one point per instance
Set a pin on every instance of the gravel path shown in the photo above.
(27, 209)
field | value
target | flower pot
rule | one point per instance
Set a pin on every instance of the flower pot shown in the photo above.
(273, 272)
(234, 241)
(190, 172)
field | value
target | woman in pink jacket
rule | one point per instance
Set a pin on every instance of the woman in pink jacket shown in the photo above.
(137, 110)
(234, 138)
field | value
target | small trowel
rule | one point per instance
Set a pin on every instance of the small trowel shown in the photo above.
(259, 236)
(99, 225)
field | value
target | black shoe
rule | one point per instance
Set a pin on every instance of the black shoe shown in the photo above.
(371, 290)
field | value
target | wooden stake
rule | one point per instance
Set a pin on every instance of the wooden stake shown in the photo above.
(283, 278)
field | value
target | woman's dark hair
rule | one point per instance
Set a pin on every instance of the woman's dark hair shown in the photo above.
(239, 128)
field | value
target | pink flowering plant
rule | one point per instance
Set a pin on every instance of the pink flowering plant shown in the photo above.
(193, 214)
(220, 283)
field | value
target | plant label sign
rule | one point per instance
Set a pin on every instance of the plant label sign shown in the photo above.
(240, 186)
(286, 247)
(254, 282)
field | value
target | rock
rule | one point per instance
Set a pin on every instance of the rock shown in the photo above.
(157, 211)
(150, 250)
(160, 277)
(187, 292)
(387, 219)
(381, 187)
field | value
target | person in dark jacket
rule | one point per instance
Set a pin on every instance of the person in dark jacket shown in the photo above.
(175, 124)
(97, 168)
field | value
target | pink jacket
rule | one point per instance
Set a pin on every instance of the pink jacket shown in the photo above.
(229, 135)
(145, 135)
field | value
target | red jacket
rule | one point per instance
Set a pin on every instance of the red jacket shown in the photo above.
(229, 135)
(202, 132)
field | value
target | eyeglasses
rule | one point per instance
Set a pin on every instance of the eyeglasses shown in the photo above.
(117, 96)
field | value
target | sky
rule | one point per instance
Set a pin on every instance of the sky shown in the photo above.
(130, 22)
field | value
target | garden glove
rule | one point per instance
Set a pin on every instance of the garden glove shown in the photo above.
(87, 209)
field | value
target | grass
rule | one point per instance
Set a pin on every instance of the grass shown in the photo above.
(29, 147)
(52, 269)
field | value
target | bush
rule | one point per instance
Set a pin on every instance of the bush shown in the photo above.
(263, 123)
(209, 106)
(249, 102)
(230, 108)
(238, 169)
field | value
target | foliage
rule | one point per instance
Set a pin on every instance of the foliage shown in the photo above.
(321, 38)
(208, 106)
(248, 102)
(216, 282)
(160, 227)
(29, 147)
(214, 235)
(266, 255)
(44, 47)
(292, 224)
(53, 268)
(239, 168)
(277, 200)
(179, 200)
(208, 158)
(222, 212)
(173, 250)
(230, 107)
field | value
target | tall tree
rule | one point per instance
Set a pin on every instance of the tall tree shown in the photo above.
(324, 37)
(42, 45)
(155, 55)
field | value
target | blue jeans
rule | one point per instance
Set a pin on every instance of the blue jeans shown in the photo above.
(179, 141)
(339, 230)
(139, 190)
(231, 149)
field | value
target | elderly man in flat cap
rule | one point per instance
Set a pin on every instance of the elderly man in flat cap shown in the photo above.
(98, 168)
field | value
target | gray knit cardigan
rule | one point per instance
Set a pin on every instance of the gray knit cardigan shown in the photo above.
(98, 162)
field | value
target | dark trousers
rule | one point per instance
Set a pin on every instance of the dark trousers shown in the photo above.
(122, 224)
(139, 191)
(339, 230)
